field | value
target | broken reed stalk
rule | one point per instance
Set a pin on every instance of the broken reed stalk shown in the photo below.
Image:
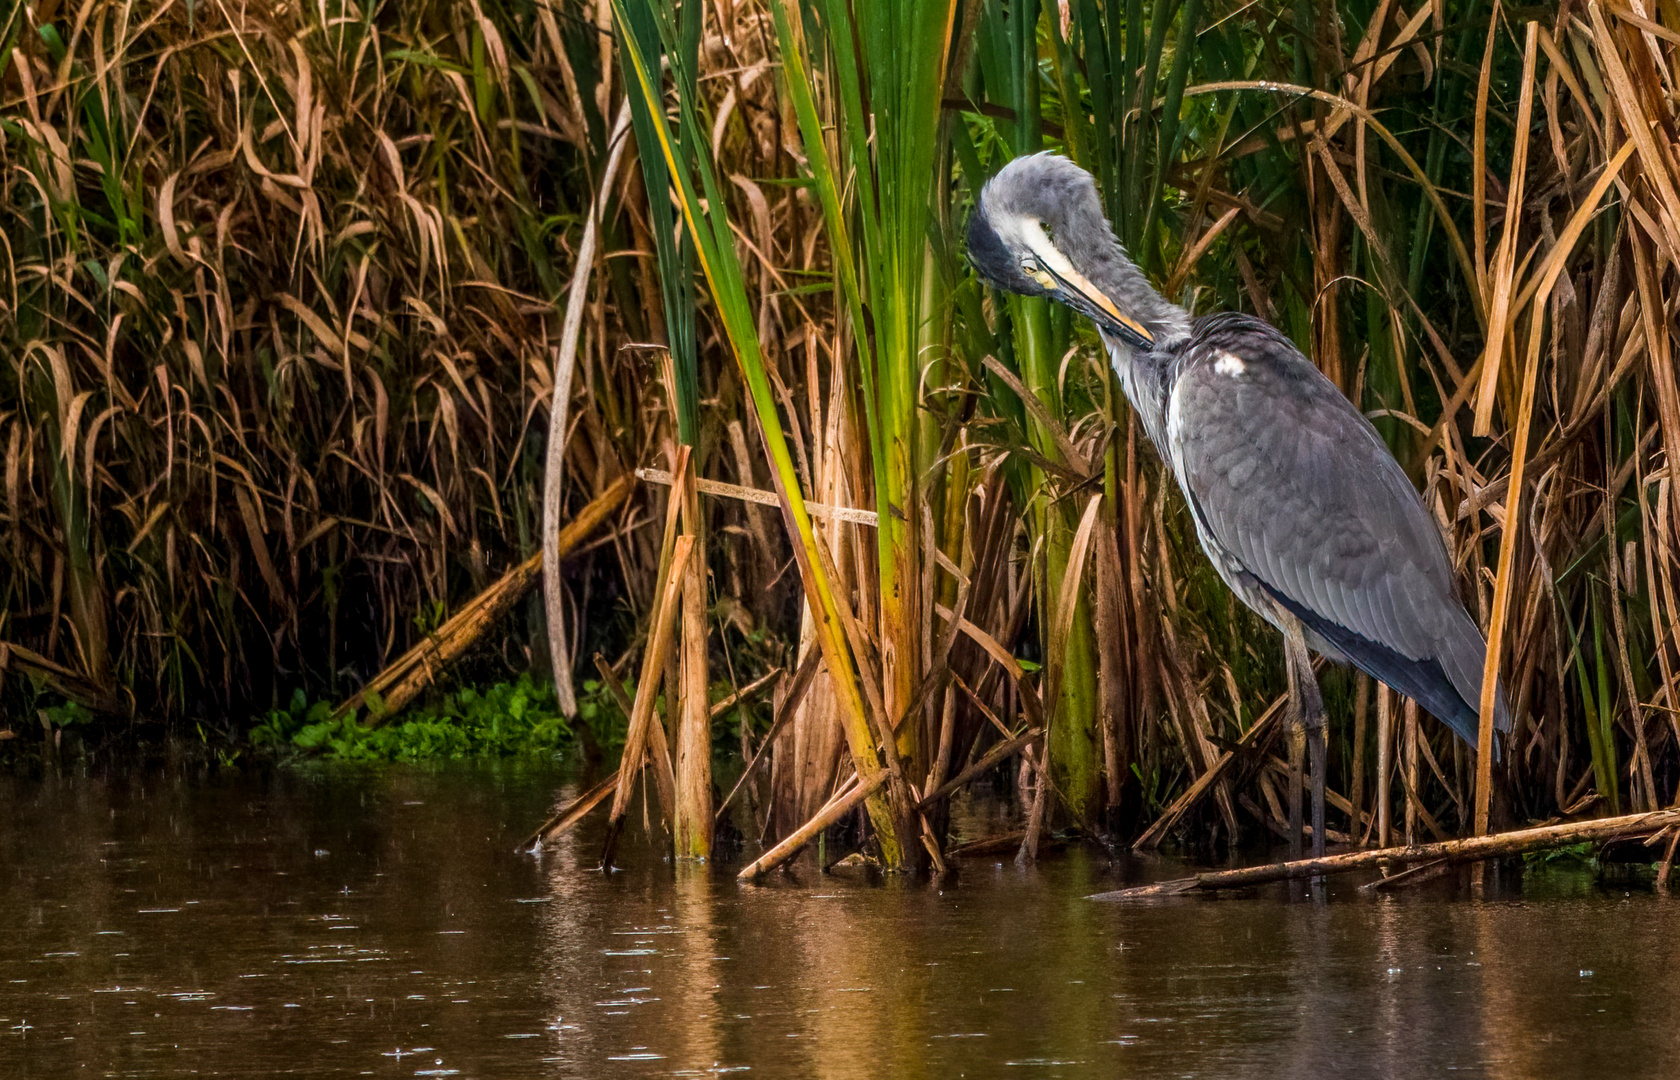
(803, 676)
(761, 497)
(404, 679)
(1473, 849)
(992, 759)
(1409, 774)
(691, 822)
(1385, 763)
(1156, 832)
(1040, 770)
(74, 686)
(646, 734)
(1666, 867)
(579, 808)
(570, 814)
(838, 807)
(653, 669)
(735, 697)
(673, 557)
(1356, 796)
(659, 751)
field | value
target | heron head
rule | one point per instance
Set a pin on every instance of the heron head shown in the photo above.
(1038, 229)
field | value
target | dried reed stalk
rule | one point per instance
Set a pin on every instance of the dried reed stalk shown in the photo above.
(1261, 728)
(565, 360)
(637, 741)
(1475, 848)
(851, 795)
(73, 685)
(415, 670)
(659, 750)
(570, 814)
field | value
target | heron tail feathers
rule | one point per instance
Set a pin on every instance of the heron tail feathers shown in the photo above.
(1463, 657)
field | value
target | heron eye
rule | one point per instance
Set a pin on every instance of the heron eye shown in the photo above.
(1029, 266)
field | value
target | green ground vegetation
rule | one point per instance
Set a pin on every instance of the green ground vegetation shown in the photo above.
(509, 719)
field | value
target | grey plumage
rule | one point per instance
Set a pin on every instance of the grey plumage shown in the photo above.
(1297, 501)
(1305, 505)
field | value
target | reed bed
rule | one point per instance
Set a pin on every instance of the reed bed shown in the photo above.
(283, 293)
(279, 333)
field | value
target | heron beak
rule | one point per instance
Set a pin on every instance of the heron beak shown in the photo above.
(1058, 275)
(1102, 311)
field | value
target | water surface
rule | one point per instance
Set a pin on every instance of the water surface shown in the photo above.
(375, 922)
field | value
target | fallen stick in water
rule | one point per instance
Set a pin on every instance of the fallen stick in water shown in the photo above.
(1515, 842)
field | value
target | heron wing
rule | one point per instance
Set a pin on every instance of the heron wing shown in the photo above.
(1301, 492)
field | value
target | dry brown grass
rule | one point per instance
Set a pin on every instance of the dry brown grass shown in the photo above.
(277, 309)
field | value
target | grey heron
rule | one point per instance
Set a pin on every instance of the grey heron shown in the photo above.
(1297, 501)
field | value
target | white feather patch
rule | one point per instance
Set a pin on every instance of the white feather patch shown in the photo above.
(1229, 364)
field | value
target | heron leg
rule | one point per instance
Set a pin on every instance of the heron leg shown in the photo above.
(1316, 752)
(1297, 736)
(1306, 734)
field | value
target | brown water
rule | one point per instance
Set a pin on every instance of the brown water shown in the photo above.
(350, 922)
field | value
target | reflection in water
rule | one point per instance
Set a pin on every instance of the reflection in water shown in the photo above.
(375, 922)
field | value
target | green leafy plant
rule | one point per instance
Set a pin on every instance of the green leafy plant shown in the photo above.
(1584, 854)
(508, 719)
(67, 714)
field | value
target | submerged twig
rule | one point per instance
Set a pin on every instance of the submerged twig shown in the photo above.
(1417, 875)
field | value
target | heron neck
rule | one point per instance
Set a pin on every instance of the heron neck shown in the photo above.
(1122, 282)
(1146, 377)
